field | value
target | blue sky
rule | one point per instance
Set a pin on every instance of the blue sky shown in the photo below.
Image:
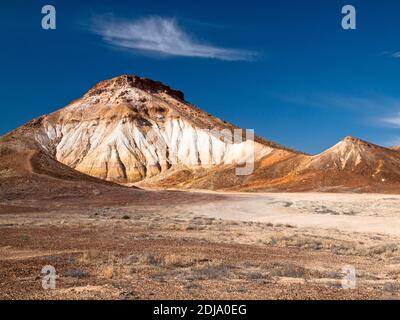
(286, 69)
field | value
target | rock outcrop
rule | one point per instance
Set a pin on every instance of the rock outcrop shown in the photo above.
(132, 130)
(128, 129)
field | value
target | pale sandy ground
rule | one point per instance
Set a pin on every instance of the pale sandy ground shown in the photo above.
(364, 213)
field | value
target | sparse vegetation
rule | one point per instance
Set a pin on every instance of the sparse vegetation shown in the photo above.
(106, 271)
(220, 257)
(214, 270)
(150, 259)
(178, 261)
(75, 273)
(91, 256)
(288, 270)
(392, 287)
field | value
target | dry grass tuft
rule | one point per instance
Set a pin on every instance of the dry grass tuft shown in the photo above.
(150, 259)
(90, 256)
(177, 261)
(212, 270)
(106, 272)
(288, 270)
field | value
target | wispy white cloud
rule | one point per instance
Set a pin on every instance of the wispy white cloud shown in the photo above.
(393, 54)
(162, 36)
(393, 120)
(377, 110)
(365, 103)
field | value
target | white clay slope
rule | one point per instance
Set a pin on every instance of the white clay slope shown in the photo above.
(124, 131)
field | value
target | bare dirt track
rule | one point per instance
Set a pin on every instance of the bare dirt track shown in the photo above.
(192, 245)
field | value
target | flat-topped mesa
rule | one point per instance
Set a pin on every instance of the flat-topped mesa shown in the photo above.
(131, 81)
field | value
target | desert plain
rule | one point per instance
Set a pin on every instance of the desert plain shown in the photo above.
(201, 245)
